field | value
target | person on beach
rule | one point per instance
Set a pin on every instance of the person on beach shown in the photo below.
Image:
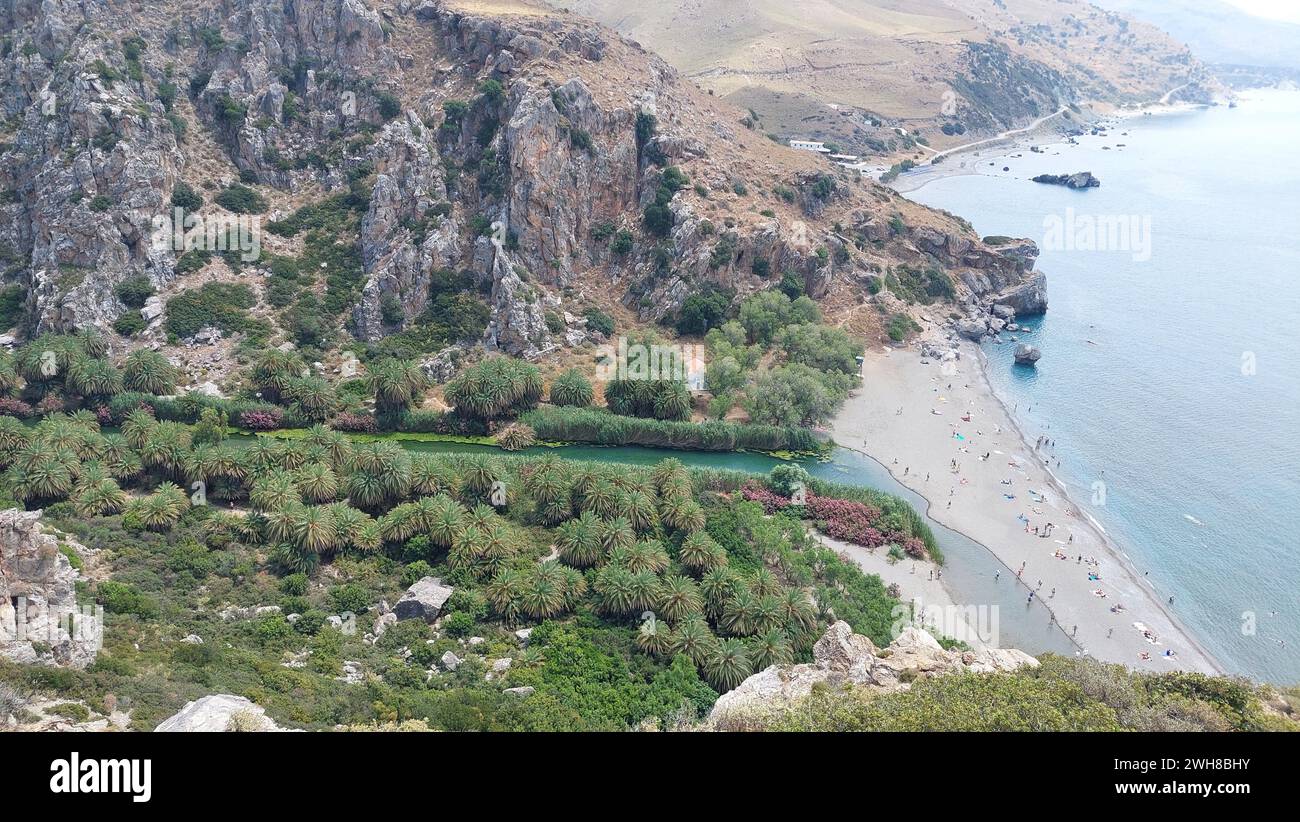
(997, 575)
(1031, 598)
(1109, 633)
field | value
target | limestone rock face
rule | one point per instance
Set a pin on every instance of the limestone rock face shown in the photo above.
(423, 600)
(218, 713)
(842, 658)
(38, 598)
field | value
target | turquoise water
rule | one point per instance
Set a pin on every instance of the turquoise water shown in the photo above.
(1173, 377)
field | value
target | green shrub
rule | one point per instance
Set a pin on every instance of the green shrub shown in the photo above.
(220, 305)
(241, 199)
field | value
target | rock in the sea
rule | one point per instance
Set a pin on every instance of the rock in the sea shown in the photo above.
(218, 713)
(1082, 179)
(1027, 299)
(842, 658)
(38, 601)
(1026, 354)
(423, 600)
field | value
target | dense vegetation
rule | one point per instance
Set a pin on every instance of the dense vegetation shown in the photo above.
(323, 526)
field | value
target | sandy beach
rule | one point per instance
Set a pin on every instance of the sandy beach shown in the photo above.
(910, 417)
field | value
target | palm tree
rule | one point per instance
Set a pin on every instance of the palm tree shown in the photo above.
(99, 498)
(348, 524)
(694, 639)
(647, 555)
(695, 550)
(767, 617)
(314, 530)
(615, 533)
(672, 401)
(136, 427)
(312, 397)
(280, 522)
(400, 523)
(93, 378)
(718, 587)
(600, 497)
(796, 612)
(479, 474)
(764, 583)
(655, 638)
(13, 437)
(316, 482)
(447, 521)
(571, 388)
(149, 372)
(616, 591)
(119, 460)
(543, 594)
(274, 491)
(728, 665)
(274, 370)
(579, 541)
(8, 373)
(466, 549)
(639, 508)
(644, 587)
(683, 514)
(505, 592)
(396, 384)
(166, 447)
(679, 598)
(740, 613)
(667, 471)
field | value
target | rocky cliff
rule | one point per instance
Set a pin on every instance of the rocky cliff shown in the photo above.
(39, 618)
(843, 659)
(552, 163)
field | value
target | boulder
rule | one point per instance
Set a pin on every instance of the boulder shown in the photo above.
(1026, 354)
(973, 328)
(842, 659)
(423, 600)
(522, 691)
(218, 713)
(450, 661)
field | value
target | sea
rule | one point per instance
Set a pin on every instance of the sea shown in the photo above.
(1170, 370)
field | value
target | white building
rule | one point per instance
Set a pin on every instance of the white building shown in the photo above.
(810, 145)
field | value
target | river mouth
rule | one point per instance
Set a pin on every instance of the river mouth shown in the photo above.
(971, 572)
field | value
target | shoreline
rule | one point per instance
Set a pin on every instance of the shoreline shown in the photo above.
(897, 379)
(1091, 522)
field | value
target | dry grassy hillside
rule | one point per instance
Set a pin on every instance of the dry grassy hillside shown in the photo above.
(855, 70)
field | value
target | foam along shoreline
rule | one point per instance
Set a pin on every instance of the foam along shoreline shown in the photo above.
(908, 419)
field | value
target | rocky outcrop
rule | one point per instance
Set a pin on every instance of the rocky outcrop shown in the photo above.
(843, 659)
(1028, 298)
(423, 600)
(39, 619)
(1027, 354)
(1078, 180)
(218, 713)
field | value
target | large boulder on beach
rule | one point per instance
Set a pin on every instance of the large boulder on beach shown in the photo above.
(1026, 354)
(423, 600)
(843, 659)
(1028, 298)
(973, 328)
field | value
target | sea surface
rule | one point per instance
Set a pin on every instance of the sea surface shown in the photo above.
(1170, 376)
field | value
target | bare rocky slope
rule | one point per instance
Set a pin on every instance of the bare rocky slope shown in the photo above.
(513, 144)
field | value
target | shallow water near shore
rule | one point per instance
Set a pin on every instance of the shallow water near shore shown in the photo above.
(1169, 378)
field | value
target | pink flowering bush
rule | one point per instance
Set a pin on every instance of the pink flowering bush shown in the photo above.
(12, 407)
(267, 420)
(756, 492)
(355, 423)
